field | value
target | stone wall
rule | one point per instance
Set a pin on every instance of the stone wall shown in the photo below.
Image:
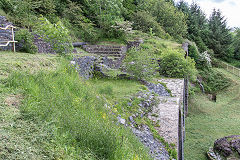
(5, 35)
(42, 45)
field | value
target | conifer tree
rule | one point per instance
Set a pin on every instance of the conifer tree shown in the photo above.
(197, 24)
(220, 38)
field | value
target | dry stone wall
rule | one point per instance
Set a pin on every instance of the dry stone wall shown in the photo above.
(5, 35)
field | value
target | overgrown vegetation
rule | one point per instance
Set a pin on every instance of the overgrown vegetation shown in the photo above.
(173, 64)
(81, 126)
(214, 81)
(56, 34)
(24, 37)
(141, 63)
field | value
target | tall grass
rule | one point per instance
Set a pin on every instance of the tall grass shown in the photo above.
(82, 127)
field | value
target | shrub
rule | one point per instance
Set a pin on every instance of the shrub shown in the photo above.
(24, 37)
(56, 34)
(213, 81)
(140, 63)
(173, 64)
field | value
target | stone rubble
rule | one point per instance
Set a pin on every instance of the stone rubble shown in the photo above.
(84, 65)
(157, 88)
(157, 149)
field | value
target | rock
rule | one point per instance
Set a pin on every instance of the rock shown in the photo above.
(156, 148)
(226, 148)
(42, 45)
(157, 88)
(85, 66)
(129, 104)
(121, 120)
(131, 119)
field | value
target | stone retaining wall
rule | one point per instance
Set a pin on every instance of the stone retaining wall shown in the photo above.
(5, 35)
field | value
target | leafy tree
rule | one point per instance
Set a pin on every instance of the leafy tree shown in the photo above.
(130, 6)
(220, 38)
(81, 26)
(170, 18)
(104, 13)
(145, 22)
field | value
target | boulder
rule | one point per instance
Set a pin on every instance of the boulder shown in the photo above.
(226, 148)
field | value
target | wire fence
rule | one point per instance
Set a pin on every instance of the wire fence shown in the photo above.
(230, 68)
(183, 110)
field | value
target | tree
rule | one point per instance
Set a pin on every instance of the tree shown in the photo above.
(197, 24)
(167, 15)
(220, 38)
(236, 43)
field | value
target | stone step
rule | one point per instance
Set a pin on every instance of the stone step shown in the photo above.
(101, 49)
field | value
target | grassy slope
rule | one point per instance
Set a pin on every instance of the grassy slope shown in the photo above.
(209, 121)
(21, 61)
(21, 138)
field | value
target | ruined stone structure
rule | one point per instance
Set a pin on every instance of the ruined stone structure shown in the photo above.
(167, 112)
(5, 35)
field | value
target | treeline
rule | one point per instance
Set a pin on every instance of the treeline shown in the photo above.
(90, 20)
(211, 34)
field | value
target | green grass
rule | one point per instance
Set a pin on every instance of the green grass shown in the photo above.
(10, 61)
(59, 116)
(119, 93)
(22, 138)
(208, 121)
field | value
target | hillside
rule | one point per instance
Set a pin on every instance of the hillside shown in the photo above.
(209, 121)
(111, 79)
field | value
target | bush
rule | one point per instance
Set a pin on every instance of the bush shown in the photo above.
(193, 52)
(140, 63)
(145, 22)
(173, 64)
(25, 38)
(56, 34)
(213, 81)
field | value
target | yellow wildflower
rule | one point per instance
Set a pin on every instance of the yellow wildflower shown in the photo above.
(104, 115)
